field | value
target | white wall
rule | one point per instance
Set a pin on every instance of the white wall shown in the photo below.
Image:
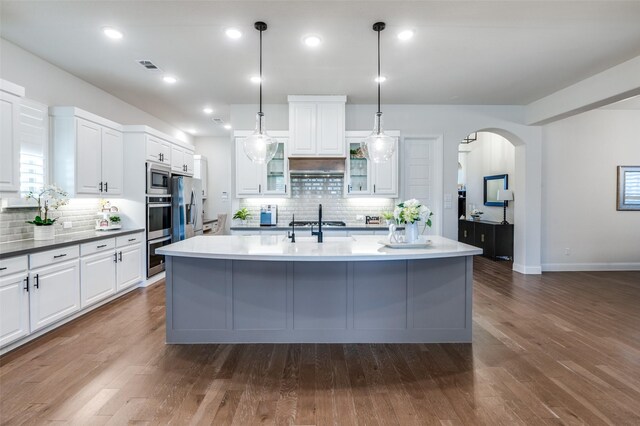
(490, 155)
(46, 83)
(580, 155)
(218, 151)
(453, 123)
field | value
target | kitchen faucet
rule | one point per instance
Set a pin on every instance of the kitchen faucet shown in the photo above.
(292, 235)
(319, 233)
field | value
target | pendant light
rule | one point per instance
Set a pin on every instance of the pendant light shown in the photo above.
(259, 146)
(378, 147)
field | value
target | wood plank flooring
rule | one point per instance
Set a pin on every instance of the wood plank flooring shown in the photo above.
(561, 348)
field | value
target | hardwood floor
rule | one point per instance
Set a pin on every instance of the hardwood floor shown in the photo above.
(561, 348)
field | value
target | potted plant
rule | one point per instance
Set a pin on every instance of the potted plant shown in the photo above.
(243, 214)
(409, 213)
(114, 220)
(49, 197)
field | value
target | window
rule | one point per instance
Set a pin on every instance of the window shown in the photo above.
(628, 188)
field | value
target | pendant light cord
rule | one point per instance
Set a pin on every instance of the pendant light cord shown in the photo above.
(260, 114)
(379, 112)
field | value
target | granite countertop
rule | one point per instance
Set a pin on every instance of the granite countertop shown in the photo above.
(277, 248)
(22, 247)
(349, 227)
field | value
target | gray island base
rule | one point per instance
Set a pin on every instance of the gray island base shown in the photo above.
(289, 298)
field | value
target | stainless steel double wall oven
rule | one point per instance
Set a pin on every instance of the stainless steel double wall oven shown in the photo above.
(158, 215)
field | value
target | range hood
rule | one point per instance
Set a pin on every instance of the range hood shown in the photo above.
(317, 165)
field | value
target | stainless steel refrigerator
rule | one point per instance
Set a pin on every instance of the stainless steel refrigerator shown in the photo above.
(186, 208)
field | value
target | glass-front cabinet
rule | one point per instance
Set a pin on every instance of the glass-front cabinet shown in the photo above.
(358, 169)
(254, 180)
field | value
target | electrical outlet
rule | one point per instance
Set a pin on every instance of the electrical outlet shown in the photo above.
(567, 251)
(67, 225)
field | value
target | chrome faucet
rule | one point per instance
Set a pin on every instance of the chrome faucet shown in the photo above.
(292, 235)
(319, 233)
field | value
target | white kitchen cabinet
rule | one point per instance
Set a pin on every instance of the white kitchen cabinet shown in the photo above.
(9, 143)
(365, 178)
(316, 126)
(55, 293)
(88, 153)
(181, 160)
(14, 307)
(201, 171)
(98, 277)
(129, 267)
(269, 179)
(158, 150)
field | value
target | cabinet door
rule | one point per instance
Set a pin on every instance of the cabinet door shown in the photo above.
(177, 160)
(465, 232)
(358, 171)
(330, 129)
(14, 308)
(55, 293)
(248, 174)
(158, 151)
(88, 157)
(302, 128)
(129, 270)
(9, 143)
(188, 162)
(385, 176)
(275, 179)
(112, 161)
(98, 273)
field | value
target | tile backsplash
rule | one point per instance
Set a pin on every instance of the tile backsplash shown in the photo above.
(81, 213)
(308, 192)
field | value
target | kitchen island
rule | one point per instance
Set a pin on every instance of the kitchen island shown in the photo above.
(258, 289)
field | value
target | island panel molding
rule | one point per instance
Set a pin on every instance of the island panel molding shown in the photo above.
(348, 299)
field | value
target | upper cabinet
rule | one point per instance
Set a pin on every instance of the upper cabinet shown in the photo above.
(316, 126)
(10, 96)
(200, 171)
(365, 178)
(158, 150)
(181, 160)
(254, 180)
(87, 153)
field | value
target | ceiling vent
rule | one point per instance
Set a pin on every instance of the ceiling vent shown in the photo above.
(217, 120)
(150, 66)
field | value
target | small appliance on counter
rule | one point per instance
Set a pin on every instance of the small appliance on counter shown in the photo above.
(268, 215)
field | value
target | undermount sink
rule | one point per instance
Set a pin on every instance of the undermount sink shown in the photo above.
(325, 239)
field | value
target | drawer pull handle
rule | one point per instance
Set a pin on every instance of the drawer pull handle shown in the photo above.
(26, 283)
(120, 256)
(101, 246)
(3, 268)
(115, 257)
(59, 256)
(36, 281)
(132, 239)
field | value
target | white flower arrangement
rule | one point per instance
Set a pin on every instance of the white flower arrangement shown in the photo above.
(49, 197)
(412, 211)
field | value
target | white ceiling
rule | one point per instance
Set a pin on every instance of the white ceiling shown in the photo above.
(464, 52)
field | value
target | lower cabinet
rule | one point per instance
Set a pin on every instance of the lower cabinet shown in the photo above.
(55, 293)
(98, 274)
(14, 308)
(495, 239)
(129, 271)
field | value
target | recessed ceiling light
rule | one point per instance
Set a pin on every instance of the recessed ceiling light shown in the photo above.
(312, 40)
(112, 33)
(169, 79)
(208, 110)
(227, 126)
(380, 79)
(405, 35)
(255, 79)
(233, 33)
(192, 131)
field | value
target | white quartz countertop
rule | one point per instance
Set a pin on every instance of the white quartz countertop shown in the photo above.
(278, 248)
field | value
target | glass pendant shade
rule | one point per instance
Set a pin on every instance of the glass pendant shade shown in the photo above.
(259, 146)
(378, 147)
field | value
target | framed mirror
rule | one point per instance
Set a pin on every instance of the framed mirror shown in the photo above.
(628, 195)
(491, 186)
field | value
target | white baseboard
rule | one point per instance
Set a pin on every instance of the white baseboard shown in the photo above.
(529, 270)
(152, 280)
(601, 266)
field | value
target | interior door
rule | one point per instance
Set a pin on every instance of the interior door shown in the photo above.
(112, 161)
(88, 157)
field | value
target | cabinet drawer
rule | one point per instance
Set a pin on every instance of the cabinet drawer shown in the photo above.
(97, 246)
(126, 240)
(13, 265)
(51, 257)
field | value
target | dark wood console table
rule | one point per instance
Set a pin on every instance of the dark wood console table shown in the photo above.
(495, 239)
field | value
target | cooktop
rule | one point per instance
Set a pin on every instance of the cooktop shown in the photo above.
(315, 223)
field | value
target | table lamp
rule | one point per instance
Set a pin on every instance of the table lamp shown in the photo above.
(505, 195)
